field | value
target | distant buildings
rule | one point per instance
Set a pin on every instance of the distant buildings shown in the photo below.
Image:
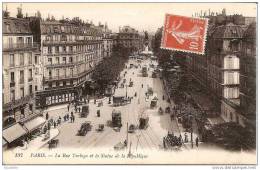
(130, 39)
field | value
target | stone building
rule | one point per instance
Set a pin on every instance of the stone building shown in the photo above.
(70, 52)
(248, 74)
(107, 41)
(218, 71)
(20, 62)
(130, 39)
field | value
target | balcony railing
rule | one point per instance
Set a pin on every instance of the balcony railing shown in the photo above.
(12, 84)
(53, 42)
(20, 46)
(63, 64)
(30, 79)
(21, 81)
(60, 65)
(60, 77)
(19, 102)
(74, 76)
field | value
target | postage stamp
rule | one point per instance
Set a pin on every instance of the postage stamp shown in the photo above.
(186, 34)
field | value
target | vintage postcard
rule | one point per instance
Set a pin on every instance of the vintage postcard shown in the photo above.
(129, 83)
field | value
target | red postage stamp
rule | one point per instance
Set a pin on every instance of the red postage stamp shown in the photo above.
(184, 33)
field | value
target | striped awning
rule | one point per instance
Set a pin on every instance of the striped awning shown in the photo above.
(34, 123)
(14, 132)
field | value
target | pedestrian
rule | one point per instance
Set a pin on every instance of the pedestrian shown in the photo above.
(79, 109)
(164, 144)
(67, 116)
(68, 107)
(197, 141)
(54, 124)
(49, 125)
(142, 85)
(64, 118)
(185, 137)
(71, 119)
(47, 116)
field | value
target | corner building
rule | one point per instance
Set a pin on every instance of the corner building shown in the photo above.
(20, 81)
(70, 52)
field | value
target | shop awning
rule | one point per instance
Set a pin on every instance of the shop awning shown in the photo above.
(34, 123)
(4, 142)
(13, 132)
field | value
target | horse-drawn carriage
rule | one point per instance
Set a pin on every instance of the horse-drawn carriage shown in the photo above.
(160, 111)
(116, 118)
(84, 128)
(85, 110)
(53, 143)
(131, 84)
(172, 142)
(100, 128)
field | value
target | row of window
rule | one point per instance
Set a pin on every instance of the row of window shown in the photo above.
(78, 48)
(63, 72)
(21, 92)
(64, 59)
(21, 77)
(64, 37)
(22, 59)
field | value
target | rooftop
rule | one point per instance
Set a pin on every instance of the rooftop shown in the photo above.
(229, 30)
(16, 26)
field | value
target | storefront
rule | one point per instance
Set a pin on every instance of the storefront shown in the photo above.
(14, 134)
(34, 124)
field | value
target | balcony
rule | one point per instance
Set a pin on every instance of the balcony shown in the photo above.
(60, 65)
(21, 81)
(70, 42)
(12, 84)
(61, 77)
(20, 46)
(30, 79)
(16, 103)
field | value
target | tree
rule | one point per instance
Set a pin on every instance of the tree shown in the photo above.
(233, 136)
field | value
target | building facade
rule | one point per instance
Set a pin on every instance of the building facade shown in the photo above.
(20, 60)
(248, 74)
(70, 52)
(218, 71)
(130, 39)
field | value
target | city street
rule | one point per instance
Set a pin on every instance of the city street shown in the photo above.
(150, 138)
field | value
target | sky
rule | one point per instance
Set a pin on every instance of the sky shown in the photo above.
(141, 16)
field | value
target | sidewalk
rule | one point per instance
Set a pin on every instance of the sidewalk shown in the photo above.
(180, 128)
(38, 142)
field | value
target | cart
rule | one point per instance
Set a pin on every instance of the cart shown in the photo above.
(53, 143)
(143, 121)
(100, 127)
(131, 84)
(116, 118)
(131, 128)
(120, 146)
(153, 103)
(85, 110)
(85, 127)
